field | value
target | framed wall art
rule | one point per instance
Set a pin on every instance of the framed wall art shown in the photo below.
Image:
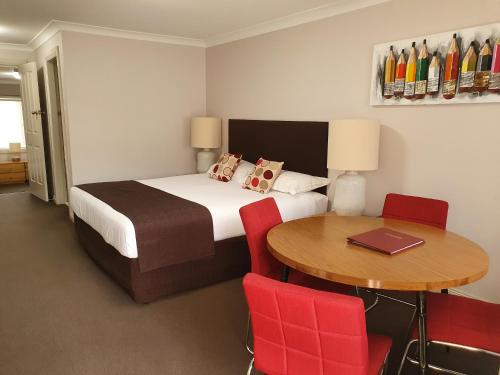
(459, 66)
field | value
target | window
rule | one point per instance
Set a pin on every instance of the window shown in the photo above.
(11, 123)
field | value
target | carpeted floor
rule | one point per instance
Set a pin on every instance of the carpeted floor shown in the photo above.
(13, 188)
(61, 315)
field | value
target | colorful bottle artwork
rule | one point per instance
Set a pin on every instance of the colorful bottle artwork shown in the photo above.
(451, 70)
(468, 70)
(494, 85)
(483, 71)
(389, 74)
(434, 75)
(399, 83)
(411, 73)
(422, 72)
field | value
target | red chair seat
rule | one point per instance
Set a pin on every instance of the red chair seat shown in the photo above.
(462, 321)
(378, 349)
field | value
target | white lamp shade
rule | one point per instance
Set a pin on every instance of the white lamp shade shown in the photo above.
(14, 147)
(206, 132)
(353, 145)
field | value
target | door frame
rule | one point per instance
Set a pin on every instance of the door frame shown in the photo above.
(61, 196)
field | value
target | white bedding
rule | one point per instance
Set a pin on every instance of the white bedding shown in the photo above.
(223, 200)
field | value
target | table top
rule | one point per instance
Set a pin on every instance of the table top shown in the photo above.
(318, 246)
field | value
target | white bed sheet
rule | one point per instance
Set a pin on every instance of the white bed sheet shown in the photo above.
(223, 200)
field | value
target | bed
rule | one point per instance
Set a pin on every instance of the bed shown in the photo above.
(109, 238)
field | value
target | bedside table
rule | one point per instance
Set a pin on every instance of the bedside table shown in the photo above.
(13, 172)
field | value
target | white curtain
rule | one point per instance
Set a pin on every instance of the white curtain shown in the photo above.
(11, 123)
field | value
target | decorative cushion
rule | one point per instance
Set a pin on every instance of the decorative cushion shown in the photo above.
(262, 178)
(224, 169)
(241, 173)
(295, 183)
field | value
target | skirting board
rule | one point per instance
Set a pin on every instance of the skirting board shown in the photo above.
(439, 42)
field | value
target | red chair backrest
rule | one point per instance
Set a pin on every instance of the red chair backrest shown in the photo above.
(427, 211)
(325, 332)
(258, 218)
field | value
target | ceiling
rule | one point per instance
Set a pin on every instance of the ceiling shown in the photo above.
(21, 20)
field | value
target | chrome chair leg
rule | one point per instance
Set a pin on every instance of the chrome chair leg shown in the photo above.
(384, 369)
(247, 339)
(405, 355)
(390, 298)
(415, 361)
(250, 367)
(375, 303)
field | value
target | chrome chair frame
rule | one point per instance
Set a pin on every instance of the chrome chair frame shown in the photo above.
(383, 296)
(247, 344)
(445, 344)
(383, 370)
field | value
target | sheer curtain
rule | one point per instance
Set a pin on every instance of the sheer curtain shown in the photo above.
(11, 123)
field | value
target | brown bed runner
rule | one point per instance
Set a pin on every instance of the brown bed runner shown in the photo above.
(168, 229)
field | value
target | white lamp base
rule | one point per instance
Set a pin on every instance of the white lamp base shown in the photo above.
(350, 194)
(205, 159)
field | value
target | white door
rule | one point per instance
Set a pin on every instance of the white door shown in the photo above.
(33, 130)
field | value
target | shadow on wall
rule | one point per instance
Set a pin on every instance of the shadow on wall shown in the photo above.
(391, 174)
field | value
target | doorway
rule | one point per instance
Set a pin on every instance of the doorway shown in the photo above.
(43, 123)
(13, 161)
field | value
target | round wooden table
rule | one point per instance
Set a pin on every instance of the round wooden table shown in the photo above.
(318, 246)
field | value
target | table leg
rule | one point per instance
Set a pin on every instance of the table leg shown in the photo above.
(284, 274)
(422, 332)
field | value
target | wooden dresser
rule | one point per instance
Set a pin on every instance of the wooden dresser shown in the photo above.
(13, 172)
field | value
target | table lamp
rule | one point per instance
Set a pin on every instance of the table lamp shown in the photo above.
(205, 134)
(15, 151)
(353, 146)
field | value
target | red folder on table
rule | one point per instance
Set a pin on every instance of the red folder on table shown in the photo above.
(385, 240)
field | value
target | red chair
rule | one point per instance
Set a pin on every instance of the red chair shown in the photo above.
(432, 212)
(304, 331)
(460, 322)
(420, 210)
(258, 218)
(426, 211)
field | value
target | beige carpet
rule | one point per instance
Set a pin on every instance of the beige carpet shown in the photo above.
(61, 315)
(13, 188)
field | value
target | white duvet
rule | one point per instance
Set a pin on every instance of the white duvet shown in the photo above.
(223, 200)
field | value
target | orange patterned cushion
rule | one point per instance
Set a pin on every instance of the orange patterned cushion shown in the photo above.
(262, 177)
(224, 169)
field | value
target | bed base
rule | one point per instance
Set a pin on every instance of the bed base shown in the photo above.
(231, 260)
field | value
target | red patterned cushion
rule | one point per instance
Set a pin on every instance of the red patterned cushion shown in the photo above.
(262, 177)
(224, 169)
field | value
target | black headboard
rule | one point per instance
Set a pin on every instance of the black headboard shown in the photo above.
(302, 145)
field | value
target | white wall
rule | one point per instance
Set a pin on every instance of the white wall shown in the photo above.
(321, 71)
(128, 106)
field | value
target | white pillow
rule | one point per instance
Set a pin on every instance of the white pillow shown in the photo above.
(243, 170)
(295, 183)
